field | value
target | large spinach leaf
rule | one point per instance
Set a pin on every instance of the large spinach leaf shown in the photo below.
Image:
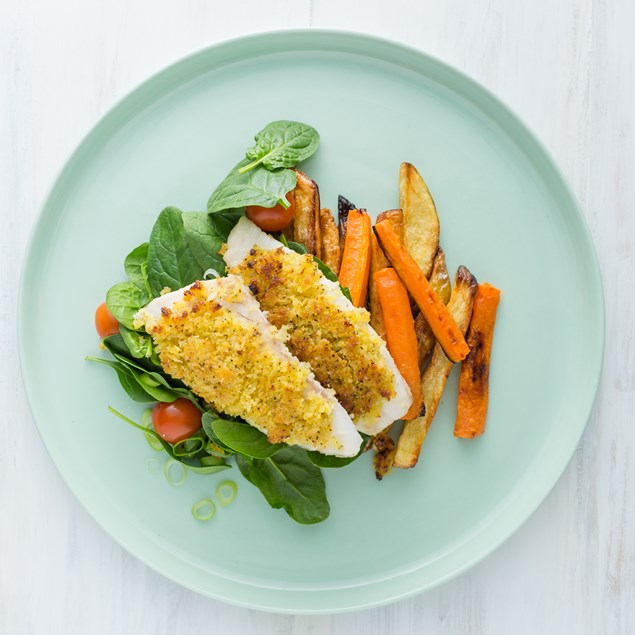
(123, 300)
(136, 266)
(256, 187)
(282, 144)
(170, 261)
(289, 480)
(244, 439)
(205, 234)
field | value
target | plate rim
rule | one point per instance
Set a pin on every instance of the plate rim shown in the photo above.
(362, 42)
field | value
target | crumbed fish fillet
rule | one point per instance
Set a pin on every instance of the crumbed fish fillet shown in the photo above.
(213, 336)
(325, 329)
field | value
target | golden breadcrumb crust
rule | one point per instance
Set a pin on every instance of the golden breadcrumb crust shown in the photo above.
(236, 365)
(342, 352)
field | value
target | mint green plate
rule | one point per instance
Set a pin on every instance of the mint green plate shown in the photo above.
(505, 212)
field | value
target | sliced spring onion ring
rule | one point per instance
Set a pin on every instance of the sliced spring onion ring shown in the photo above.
(168, 470)
(211, 273)
(154, 443)
(188, 447)
(204, 509)
(146, 418)
(226, 492)
(153, 466)
(146, 422)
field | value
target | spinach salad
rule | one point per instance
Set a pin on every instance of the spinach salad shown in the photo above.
(184, 247)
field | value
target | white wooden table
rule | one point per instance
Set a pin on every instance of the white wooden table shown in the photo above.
(568, 68)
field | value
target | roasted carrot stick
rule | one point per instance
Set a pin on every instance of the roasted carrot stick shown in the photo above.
(474, 378)
(400, 333)
(436, 373)
(355, 266)
(440, 282)
(378, 261)
(435, 312)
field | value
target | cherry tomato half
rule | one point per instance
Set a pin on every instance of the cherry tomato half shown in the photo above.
(105, 322)
(272, 219)
(176, 421)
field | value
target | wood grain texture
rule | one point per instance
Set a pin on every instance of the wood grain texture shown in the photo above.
(568, 68)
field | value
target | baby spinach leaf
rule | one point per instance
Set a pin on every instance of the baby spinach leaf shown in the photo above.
(244, 439)
(256, 187)
(323, 460)
(244, 465)
(211, 461)
(154, 355)
(136, 266)
(299, 248)
(123, 300)
(327, 272)
(207, 420)
(154, 387)
(290, 481)
(170, 261)
(117, 346)
(158, 385)
(282, 144)
(205, 234)
(126, 298)
(139, 344)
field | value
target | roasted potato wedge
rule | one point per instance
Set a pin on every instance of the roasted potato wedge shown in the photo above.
(395, 216)
(421, 223)
(440, 282)
(440, 278)
(306, 221)
(436, 374)
(425, 338)
(330, 237)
